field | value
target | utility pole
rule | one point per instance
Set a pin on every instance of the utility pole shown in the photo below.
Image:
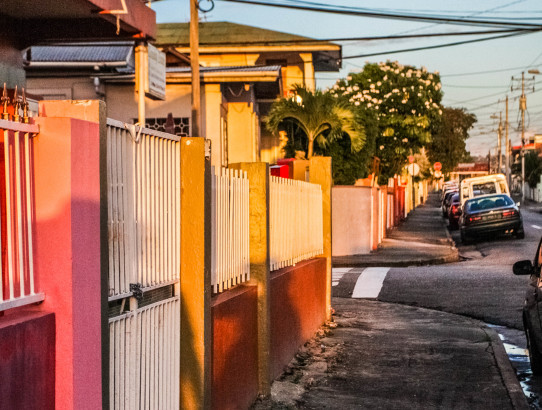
(194, 63)
(507, 156)
(499, 144)
(522, 107)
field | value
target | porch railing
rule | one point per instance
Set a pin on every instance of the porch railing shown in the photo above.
(230, 262)
(296, 221)
(18, 285)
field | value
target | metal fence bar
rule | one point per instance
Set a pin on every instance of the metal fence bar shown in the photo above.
(296, 222)
(17, 282)
(230, 229)
(144, 209)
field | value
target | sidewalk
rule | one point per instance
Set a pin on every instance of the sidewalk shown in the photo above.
(377, 355)
(422, 239)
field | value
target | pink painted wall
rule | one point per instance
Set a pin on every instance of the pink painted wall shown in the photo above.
(67, 249)
(298, 309)
(27, 360)
(351, 220)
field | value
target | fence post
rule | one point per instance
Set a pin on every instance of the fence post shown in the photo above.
(195, 278)
(258, 177)
(320, 173)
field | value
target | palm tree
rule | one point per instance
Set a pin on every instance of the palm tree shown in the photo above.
(321, 116)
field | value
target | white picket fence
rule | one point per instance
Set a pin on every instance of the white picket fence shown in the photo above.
(143, 179)
(296, 221)
(230, 261)
(144, 358)
(143, 189)
(17, 285)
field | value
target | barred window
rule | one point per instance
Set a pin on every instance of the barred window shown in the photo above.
(180, 125)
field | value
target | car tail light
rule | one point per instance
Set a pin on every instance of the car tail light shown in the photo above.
(508, 214)
(474, 218)
(455, 209)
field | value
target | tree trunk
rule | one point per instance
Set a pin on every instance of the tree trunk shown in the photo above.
(311, 145)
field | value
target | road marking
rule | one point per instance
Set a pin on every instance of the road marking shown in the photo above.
(337, 274)
(536, 227)
(370, 283)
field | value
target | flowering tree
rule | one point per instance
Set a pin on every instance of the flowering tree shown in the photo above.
(406, 100)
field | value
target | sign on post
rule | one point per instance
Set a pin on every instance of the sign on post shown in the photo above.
(155, 86)
(437, 166)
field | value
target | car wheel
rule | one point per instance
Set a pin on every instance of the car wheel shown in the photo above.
(534, 355)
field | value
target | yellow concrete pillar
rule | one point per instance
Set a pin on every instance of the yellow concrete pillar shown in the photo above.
(320, 173)
(258, 176)
(309, 80)
(195, 338)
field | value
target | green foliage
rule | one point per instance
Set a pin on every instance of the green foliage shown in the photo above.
(533, 168)
(322, 118)
(406, 102)
(349, 165)
(448, 143)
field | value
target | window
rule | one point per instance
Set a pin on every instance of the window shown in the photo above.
(179, 126)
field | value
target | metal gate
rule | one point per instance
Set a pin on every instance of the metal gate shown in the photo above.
(143, 188)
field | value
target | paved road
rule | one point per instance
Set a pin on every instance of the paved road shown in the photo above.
(481, 286)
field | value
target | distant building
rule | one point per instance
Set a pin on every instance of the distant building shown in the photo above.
(469, 170)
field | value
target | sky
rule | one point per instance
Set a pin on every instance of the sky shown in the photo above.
(477, 76)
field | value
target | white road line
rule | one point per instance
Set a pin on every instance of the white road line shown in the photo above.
(337, 274)
(536, 227)
(370, 283)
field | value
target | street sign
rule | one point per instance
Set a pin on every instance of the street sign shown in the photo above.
(410, 159)
(413, 169)
(437, 174)
(437, 166)
(155, 86)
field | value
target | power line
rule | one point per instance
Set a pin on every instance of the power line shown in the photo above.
(319, 7)
(457, 43)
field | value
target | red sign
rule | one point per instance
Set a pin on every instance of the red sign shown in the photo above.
(411, 159)
(437, 166)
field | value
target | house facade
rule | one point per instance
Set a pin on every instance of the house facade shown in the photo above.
(240, 80)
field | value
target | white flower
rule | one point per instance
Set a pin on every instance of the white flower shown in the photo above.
(355, 88)
(413, 111)
(381, 147)
(440, 112)
(403, 101)
(356, 103)
(405, 139)
(369, 105)
(372, 86)
(349, 78)
(379, 83)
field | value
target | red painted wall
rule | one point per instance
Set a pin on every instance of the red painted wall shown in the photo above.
(235, 356)
(298, 309)
(27, 360)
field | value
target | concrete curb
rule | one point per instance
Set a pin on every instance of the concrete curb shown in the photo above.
(450, 258)
(508, 374)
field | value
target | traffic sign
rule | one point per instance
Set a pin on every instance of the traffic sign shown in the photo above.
(437, 174)
(413, 169)
(437, 166)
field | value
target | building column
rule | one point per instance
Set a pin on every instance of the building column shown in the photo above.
(258, 176)
(308, 71)
(320, 173)
(196, 337)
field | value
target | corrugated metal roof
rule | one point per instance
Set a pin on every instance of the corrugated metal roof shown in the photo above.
(75, 53)
(225, 33)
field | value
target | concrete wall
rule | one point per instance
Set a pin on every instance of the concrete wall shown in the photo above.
(235, 349)
(352, 224)
(298, 309)
(27, 360)
(67, 244)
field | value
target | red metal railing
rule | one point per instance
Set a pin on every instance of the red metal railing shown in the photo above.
(17, 282)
